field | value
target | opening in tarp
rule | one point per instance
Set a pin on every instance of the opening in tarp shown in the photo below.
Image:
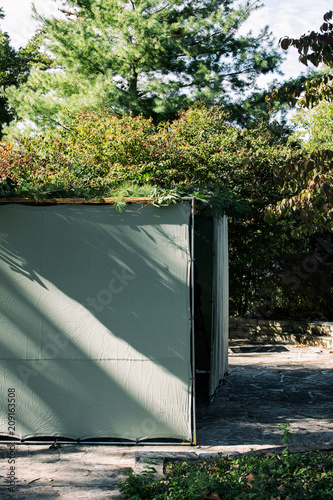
(212, 300)
(220, 306)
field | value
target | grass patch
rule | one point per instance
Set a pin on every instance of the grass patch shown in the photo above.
(259, 476)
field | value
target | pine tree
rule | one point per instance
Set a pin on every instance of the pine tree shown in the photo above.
(15, 67)
(150, 57)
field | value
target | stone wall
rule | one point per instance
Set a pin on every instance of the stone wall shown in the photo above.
(281, 331)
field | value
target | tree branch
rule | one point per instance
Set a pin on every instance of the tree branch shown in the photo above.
(98, 69)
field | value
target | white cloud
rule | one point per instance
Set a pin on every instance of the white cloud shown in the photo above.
(292, 19)
(19, 22)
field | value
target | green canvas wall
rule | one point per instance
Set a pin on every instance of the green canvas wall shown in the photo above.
(94, 316)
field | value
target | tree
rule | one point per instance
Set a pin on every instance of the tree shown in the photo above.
(148, 57)
(15, 66)
(314, 48)
(308, 184)
(7, 58)
(314, 127)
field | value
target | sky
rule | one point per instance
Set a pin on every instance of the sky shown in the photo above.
(285, 17)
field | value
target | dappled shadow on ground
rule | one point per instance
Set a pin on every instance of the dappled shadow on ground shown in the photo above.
(47, 483)
(255, 399)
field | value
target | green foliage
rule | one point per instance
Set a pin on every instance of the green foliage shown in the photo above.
(199, 153)
(314, 127)
(300, 285)
(308, 187)
(307, 183)
(136, 485)
(300, 476)
(15, 66)
(286, 436)
(144, 57)
(314, 48)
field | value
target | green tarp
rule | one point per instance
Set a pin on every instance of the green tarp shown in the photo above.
(220, 306)
(95, 321)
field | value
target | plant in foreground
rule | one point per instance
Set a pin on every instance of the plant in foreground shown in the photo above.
(260, 476)
(286, 436)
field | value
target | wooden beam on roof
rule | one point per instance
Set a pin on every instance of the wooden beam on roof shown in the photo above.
(77, 201)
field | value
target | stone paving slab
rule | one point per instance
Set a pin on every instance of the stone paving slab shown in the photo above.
(266, 386)
(71, 471)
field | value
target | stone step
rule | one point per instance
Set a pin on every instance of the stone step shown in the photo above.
(294, 338)
(242, 327)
